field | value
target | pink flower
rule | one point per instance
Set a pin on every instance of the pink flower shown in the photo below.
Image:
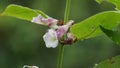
(60, 32)
(56, 32)
(53, 36)
(45, 21)
(38, 20)
(63, 29)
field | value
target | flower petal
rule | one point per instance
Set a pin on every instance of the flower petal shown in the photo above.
(38, 20)
(26, 66)
(51, 39)
(45, 21)
(70, 22)
(60, 32)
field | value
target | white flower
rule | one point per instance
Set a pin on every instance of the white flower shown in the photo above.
(26, 66)
(70, 22)
(51, 39)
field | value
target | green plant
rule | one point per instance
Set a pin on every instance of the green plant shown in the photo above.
(105, 22)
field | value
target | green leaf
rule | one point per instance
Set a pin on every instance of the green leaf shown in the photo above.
(115, 2)
(109, 63)
(90, 27)
(99, 1)
(114, 35)
(21, 12)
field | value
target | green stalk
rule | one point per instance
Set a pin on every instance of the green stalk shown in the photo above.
(60, 56)
(67, 10)
(61, 48)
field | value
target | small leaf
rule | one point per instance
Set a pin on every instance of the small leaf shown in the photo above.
(109, 63)
(115, 2)
(21, 12)
(114, 35)
(90, 27)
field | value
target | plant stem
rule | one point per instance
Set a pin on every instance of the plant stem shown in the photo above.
(67, 10)
(61, 48)
(60, 56)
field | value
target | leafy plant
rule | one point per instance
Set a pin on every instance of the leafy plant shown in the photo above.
(93, 26)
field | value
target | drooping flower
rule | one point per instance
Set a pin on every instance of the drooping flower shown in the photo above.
(56, 32)
(51, 22)
(51, 39)
(53, 36)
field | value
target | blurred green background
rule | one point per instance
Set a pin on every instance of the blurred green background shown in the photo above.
(21, 41)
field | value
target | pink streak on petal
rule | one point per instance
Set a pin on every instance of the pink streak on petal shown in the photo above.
(60, 32)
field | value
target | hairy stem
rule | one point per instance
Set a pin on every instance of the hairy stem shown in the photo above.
(61, 48)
